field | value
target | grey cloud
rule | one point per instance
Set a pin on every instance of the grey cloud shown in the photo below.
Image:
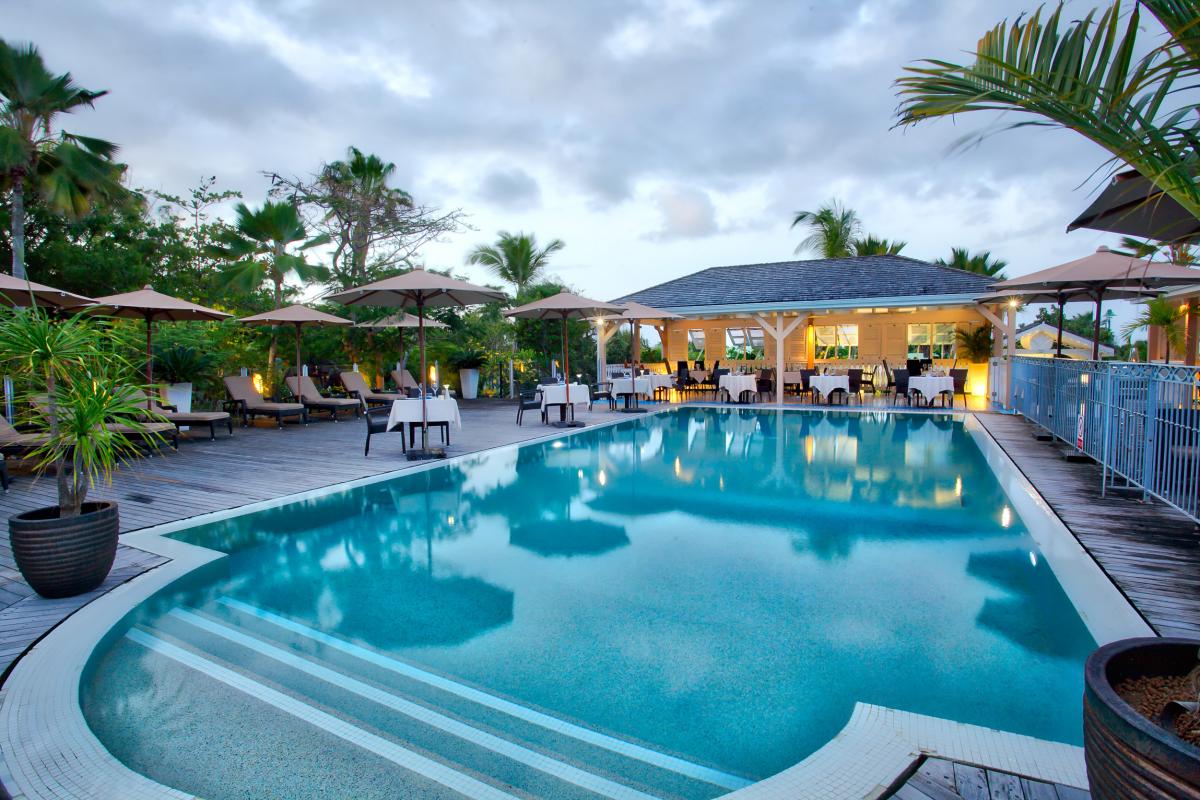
(511, 187)
(686, 214)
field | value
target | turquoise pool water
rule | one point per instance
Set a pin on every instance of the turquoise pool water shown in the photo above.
(670, 607)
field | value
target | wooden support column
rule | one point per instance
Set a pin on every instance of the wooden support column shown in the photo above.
(604, 332)
(779, 330)
(1192, 336)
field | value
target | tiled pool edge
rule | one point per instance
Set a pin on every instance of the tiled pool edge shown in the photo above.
(49, 750)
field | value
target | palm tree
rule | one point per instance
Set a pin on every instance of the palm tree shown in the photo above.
(359, 198)
(69, 172)
(257, 251)
(832, 230)
(872, 245)
(1083, 75)
(1164, 315)
(981, 262)
(515, 258)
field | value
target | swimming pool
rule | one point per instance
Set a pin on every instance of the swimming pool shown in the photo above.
(670, 607)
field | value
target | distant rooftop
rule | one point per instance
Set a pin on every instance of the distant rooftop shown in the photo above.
(821, 281)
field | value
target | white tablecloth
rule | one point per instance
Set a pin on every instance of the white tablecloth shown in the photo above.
(556, 393)
(437, 409)
(931, 386)
(698, 374)
(792, 376)
(827, 383)
(661, 381)
(736, 384)
(621, 386)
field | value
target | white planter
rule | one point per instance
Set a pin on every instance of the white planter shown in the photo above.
(180, 396)
(468, 380)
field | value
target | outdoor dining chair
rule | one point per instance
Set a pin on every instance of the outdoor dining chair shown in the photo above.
(959, 376)
(900, 386)
(529, 400)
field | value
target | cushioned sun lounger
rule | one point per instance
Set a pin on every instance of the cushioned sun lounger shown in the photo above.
(404, 379)
(179, 418)
(14, 442)
(248, 402)
(356, 385)
(315, 401)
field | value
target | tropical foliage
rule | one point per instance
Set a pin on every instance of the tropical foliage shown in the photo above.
(516, 258)
(1093, 75)
(73, 370)
(1163, 315)
(836, 231)
(981, 262)
(68, 173)
(975, 344)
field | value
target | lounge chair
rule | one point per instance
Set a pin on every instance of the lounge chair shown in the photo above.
(145, 431)
(404, 380)
(356, 385)
(177, 418)
(304, 388)
(15, 443)
(246, 401)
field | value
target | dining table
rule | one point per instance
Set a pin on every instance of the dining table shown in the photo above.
(826, 384)
(439, 412)
(736, 384)
(930, 386)
(555, 394)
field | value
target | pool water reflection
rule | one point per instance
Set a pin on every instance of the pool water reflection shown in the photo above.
(721, 585)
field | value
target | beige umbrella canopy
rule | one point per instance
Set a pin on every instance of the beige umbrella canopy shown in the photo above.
(635, 314)
(1099, 274)
(1061, 297)
(564, 306)
(401, 320)
(419, 288)
(21, 292)
(153, 306)
(298, 316)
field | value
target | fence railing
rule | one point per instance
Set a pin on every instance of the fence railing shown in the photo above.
(1140, 422)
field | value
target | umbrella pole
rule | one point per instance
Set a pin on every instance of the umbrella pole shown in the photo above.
(421, 339)
(149, 363)
(1096, 327)
(403, 361)
(567, 367)
(1061, 302)
(299, 385)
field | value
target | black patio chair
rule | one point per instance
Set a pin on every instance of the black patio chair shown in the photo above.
(377, 419)
(900, 386)
(765, 383)
(604, 391)
(528, 400)
(890, 381)
(914, 367)
(959, 376)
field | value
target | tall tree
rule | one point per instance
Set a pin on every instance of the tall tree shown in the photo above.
(66, 171)
(375, 227)
(872, 245)
(1083, 75)
(1164, 315)
(516, 258)
(981, 262)
(257, 251)
(832, 230)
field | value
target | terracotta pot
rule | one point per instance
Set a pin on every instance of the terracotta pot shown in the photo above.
(1128, 756)
(64, 557)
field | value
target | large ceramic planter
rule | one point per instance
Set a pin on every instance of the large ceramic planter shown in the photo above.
(180, 396)
(65, 557)
(1128, 756)
(468, 381)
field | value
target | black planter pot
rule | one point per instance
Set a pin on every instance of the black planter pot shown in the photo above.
(64, 557)
(1128, 756)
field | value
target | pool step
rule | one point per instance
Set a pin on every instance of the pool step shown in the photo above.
(536, 755)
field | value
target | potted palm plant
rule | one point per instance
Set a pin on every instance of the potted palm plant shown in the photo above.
(468, 363)
(1161, 315)
(71, 371)
(975, 347)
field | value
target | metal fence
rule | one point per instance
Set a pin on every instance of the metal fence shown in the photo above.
(1140, 422)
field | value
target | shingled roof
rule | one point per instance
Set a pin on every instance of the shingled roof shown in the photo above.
(817, 281)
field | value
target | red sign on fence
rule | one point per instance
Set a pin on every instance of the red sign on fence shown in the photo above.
(1079, 428)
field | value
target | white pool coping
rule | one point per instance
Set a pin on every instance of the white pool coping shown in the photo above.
(50, 752)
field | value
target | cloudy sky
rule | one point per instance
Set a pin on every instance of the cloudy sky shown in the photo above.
(655, 137)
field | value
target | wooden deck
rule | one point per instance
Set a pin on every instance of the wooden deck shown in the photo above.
(1149, 550)
(938, 779)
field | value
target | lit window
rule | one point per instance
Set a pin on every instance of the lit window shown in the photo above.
(695, 344)
(931, 340)
(837, 341)
(943, 340)
(744, 343)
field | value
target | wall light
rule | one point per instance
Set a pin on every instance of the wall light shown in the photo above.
(1006, 517)
(257, 380)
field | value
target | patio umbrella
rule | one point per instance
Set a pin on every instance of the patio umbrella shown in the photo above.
(20, 292)
(153, 307)
(1061, 297)
(636, 313)
(298, 316)
(419, 288)
(401, 320)
(1101, 273)
(564, 306)
(1133, 205)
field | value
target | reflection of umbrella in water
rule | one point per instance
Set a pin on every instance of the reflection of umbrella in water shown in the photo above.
(585, 537)
(1021, 618)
